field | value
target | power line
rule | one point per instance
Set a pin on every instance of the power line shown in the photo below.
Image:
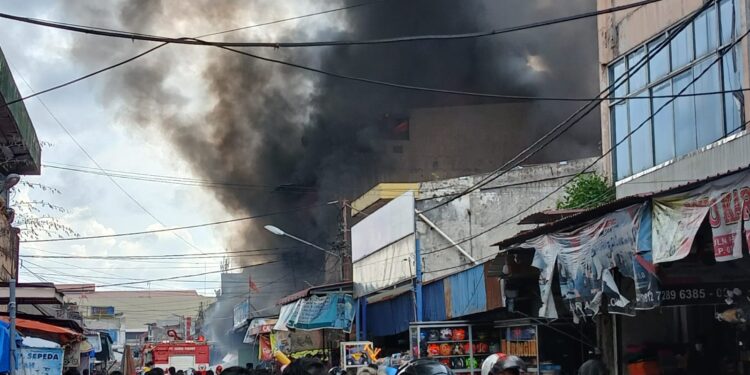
(574, 118)
(585, 170)
(123, 62)
(174, 228)
(276, 45)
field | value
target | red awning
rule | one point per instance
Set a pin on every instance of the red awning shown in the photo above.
(33, 328)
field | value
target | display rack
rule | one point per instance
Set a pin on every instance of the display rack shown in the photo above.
(521, 340)
(455, 344)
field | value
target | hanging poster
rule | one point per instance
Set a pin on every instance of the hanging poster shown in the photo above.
(646, 282)
(265, 350)
(677, 217)
(72, 355)
(545, 258)
(335, 310)
(40, 361)
(585, 258)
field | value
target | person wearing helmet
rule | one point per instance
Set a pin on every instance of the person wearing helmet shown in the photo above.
(513, 365)
(493, 365)
(424, 367)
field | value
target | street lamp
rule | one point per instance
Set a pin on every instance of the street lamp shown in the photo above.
(10, 181)
(279, 232)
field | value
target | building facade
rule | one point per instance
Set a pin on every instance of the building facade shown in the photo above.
(647, 56)
(20, 153)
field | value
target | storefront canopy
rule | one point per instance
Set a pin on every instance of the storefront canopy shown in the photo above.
(46, 331)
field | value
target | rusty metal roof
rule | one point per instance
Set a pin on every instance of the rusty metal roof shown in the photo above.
(593, 213)
(345, 285)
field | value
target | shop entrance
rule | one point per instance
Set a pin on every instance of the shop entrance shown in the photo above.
(681, 340)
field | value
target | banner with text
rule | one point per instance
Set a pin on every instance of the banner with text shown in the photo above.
(584, 260)
(40, 361)
(677, 217)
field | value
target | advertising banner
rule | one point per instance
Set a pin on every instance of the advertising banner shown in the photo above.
(335, 311)
(40, 361)
(298, 341)
(584, 260)
(241, 312)
(646, 282)
(265, 349)
(677, 218)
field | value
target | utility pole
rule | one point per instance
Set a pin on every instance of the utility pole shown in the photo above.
(12, 314)
(345, 248)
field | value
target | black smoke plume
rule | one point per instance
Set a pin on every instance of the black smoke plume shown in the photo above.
(319, 138)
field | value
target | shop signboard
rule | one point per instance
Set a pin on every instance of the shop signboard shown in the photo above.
(298, 341)
(700, 294)
(241, 312)
(95, 341)
(383, 246)
(677, 218)
(40, 361)
(584, 259)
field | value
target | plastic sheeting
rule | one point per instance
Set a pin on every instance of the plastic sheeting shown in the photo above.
(390, 317)
(386, 267)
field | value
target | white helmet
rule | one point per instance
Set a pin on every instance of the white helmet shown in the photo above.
(492, 361)
(514, 362)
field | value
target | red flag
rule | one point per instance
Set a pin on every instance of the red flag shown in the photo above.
(252, 285)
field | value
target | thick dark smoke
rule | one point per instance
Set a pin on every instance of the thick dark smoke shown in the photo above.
(252, 122)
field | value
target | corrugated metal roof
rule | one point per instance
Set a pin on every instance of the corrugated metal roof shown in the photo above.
(591, 214)
(433, 301)
(345, 285)
(467, 292)
(15, 121)
(390, 317)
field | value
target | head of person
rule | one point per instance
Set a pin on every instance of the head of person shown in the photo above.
(235, 370)
(72, 371)
(219, 370)
(149, 364)
(424, 367)
(249, 366)
(172, 371)
(513, 366)
(210, 372)
(85, 371)
(180, 372)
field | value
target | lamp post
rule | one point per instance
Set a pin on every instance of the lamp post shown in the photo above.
(277, 231)
(10, 181)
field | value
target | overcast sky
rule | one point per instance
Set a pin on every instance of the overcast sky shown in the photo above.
(45, 57)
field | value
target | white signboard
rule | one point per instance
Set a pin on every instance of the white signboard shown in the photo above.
(383, 227)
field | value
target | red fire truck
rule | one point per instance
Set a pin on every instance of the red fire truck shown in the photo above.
(180, 354)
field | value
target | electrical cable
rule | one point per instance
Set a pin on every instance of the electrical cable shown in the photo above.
(577, 116)
(175, 228)
(277, 45)
(585, 170)
(88, 155)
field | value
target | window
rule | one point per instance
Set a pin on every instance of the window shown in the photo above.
(682, 48)
(663, 123)
(664, 127)
(658, 66)
(638, 77)
(622, 153)
(640, 124)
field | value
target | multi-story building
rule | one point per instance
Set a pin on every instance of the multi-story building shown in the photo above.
(660, 142)
(681, 118)
(20, 153)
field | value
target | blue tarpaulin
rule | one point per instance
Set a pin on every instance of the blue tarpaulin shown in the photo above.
(4, 347)
(467, 292)
(335, 310)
